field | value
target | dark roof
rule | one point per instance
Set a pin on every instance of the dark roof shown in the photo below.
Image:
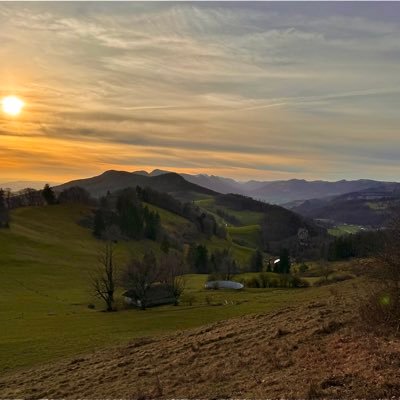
(156, 294)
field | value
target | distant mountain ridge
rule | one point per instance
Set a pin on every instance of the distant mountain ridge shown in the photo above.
(112, 180)
(368, 207)
(276, 192)
(281, 192)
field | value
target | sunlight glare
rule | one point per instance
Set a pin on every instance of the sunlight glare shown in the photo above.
(12, 105)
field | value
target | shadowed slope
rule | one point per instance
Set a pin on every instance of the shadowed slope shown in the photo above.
(308, 350)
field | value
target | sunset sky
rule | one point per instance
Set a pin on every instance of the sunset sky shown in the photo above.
(244, 90)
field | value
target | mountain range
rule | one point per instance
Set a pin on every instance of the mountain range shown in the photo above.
(281, 192)
(371, 207)
(276, 192)
(169, 182)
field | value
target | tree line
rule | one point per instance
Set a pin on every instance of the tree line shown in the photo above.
(124, 216)
(357, 245)
(4, 211)
(280, 227)
(31, 197)
(138, 277)
(221, 264)
(204, 222)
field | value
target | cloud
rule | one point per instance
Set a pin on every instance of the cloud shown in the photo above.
(250, 90)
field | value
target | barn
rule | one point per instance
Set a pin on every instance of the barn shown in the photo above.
(156, 295)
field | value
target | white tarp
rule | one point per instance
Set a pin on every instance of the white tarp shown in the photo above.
(223, 285)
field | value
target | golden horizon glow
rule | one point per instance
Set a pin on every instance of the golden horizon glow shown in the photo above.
(219, 89)
(12, 105)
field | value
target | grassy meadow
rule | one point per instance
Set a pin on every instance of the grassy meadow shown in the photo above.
(46, 260)
(249, 235)
(245, 217)
(344, 229)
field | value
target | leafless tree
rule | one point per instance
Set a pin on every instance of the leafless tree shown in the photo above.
(75, 195)
(388, 259)
(31, 197)
(4, 212)
(324, 268)
(104, 280)
(7, 197)
(140, 275)
(172, 274)
(381, 310)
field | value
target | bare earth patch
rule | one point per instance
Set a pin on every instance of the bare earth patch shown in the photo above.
(310, 351)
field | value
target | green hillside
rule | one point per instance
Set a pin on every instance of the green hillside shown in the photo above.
(45, 262)
(245, 217)
(344, 229)
(172, 222)
(246, 237)
(249, 235)
(242, 254)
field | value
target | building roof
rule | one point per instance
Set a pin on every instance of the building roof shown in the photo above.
(156, 295)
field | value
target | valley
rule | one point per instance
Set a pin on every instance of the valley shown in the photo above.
(311, 348)
(46, 261)
(199, 200)
(53, 325)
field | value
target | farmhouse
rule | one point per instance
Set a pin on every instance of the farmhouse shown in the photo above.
(156, 295)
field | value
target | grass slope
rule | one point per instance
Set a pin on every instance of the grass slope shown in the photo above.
(249, 235)
(344, 229)
(245, 217)
(172, 222)
(242, 254)
(311, 350)
(46, 259)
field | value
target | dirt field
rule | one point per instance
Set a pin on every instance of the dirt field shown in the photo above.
(310, 351)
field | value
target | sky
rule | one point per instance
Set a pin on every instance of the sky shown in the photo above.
(245, 90)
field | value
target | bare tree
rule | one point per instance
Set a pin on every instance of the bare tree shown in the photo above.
(381, 310)
(104, 280)
(140, 275)
(31, 197)
(388, 259)
(4, 212)
(7, 197)
(324, 267)
(172, 274)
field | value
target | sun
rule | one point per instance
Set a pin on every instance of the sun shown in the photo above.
(12, 105)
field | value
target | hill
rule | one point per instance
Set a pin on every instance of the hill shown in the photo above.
(280, 192)
(369, 207)
(268, 226)
(300, 189)
(47, 257)
(309, 350)
(116, 180)
(276, 192)
(46, 261)
(281, 225)
(216, 183)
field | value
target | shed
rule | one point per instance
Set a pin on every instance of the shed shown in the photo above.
(156, 295)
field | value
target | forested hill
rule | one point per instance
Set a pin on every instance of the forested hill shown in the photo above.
(277, 227)
(269, 227)
(371, 207)
(111, 181)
